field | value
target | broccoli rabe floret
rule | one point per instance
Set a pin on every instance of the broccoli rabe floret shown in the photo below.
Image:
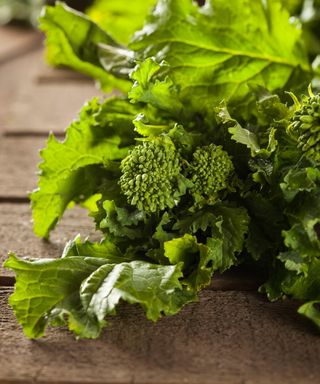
(153, 178)
(149, 177)
(305, 126)
(210, 171)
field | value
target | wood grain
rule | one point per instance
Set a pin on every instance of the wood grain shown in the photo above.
(18, 165)
(33, 106)
(47, 107)
(16, 41)
(49, 75)
(16, 233)
(14, 74)
(228, 337)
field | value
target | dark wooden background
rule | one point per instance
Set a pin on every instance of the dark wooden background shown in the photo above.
(233, 335)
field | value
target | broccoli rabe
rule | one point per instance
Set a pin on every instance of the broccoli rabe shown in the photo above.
(305, 126)
(210, 172)
(153, 171)
(149, 177)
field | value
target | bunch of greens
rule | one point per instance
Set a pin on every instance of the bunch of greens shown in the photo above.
(204, 163)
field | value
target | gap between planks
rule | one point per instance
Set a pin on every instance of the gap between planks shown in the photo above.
(7, 281)
(14, 199)
(25, 133)
(17, 41)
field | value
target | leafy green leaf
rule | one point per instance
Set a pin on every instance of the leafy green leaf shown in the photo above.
(73, 41)
(152, 286)
(196, 259)
(105, 249)
(200, 220)
(215, 52)
(310, 311)
(120, 222)
(150, 89)
(304, 216)
(304, 286)
(299, 180)
(145, 128)
(300, 280)
(65, 172)
(238, 134)
(243, 136)
(225, 227)
(33, 303)
(160, 233)
(228, 235)
(270, 107)
(82, 291)
(293, 261)
(119, 19)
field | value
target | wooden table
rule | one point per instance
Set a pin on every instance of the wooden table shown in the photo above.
(233, 335)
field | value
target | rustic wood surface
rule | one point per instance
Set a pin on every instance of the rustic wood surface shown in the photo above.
(36, 105)
(17, 41)
(233, 335)
(49, 75)
(16, 233)
(228, 337)
(18, 165)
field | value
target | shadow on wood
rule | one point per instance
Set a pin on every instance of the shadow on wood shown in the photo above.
(228, 337)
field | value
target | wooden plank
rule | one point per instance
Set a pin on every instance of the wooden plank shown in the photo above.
(228, 337)
(47, 107)
(13, 75)
(16, 233)
(35, 106)
(16, 41)
(18, 165)
(60, 75)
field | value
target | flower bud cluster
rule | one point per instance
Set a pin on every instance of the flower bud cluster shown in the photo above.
(210, 170)
(152, 175)
(305, 126)
(149, 176)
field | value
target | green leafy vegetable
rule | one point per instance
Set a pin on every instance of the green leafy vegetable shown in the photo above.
(305, 126)
(209, 160)
(119, 19)
(73, 41)
(201, 46)
(72, 170)
(82, 291)
(215, 52)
